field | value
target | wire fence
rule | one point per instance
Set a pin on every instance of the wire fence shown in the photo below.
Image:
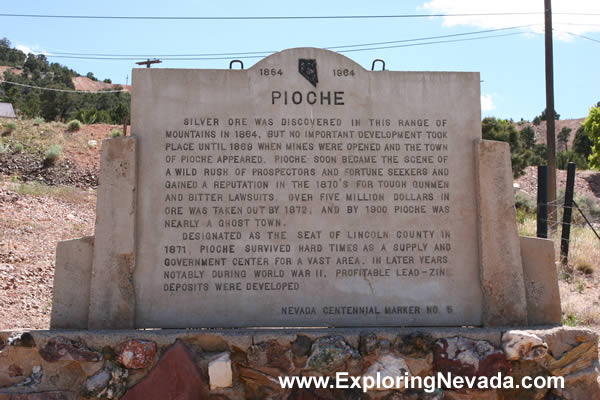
(559, 212)
(586, 219)
(555, 217)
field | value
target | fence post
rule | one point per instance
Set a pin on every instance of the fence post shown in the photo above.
(542, 202)
(566, 224)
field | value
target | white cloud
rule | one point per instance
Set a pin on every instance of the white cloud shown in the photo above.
(28, 49)
(561, 23)
(487, 103)
(24, 49)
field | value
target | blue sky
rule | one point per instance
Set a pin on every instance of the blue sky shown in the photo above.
(512, 67)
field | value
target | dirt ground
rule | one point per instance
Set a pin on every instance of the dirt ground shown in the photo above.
(579, 279)
(32, 221)
(39, 206)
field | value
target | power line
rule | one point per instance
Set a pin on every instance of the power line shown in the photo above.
(59, 53)
(267, 54)
(63, 90)
(575, 24)
(432, 37)
(340, 51)
(228, 56)
(581, 36)
(434, 42)
(282, 17)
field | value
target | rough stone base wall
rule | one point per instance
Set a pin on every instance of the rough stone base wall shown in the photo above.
(246, 363)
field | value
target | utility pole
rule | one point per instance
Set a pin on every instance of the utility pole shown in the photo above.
(550, 126)
(148, 62)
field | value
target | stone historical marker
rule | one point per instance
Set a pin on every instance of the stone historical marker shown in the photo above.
(303, 192)
(306, 191)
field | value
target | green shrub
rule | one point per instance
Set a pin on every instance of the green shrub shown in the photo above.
(570, 320)
(18, 148)
(584, 267)
(522, 215)
(566, 276)
(563, 159)
(527, 136)
(74, 126)
(3, 148)
(523, 149)
(525, 202)
(87, 116)
(116, 133)
(52, 154)
(592, 128)
(103, 117)
(11, 126)
(38, 121)
(582, 144)
(590, 207)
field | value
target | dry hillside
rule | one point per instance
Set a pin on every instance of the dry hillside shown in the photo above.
(87, 84)
(540, 130)
(80, 82)
(3, 69)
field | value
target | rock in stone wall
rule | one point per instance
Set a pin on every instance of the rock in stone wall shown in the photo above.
(241, 364)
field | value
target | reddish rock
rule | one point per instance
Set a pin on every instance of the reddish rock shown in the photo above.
(270, 354)
(60, 349)
(416, 345)
(174, 377)
(466, 357)
(415, 395)
(54, 395)
(108, 353)
(326, 394)
(472, 395)
(15, 370)
(301, 346)
(367, 343)
(520, 370)
(260, 385)
(136, 354)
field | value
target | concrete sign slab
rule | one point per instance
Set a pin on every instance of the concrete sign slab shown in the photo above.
(306, 191)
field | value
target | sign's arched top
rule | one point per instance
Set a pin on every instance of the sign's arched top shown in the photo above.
(306, 53)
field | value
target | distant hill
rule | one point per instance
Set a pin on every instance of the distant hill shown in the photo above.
(540, 130)
(58, 103)
(80, 82)
(4, 68)
(87, 84)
